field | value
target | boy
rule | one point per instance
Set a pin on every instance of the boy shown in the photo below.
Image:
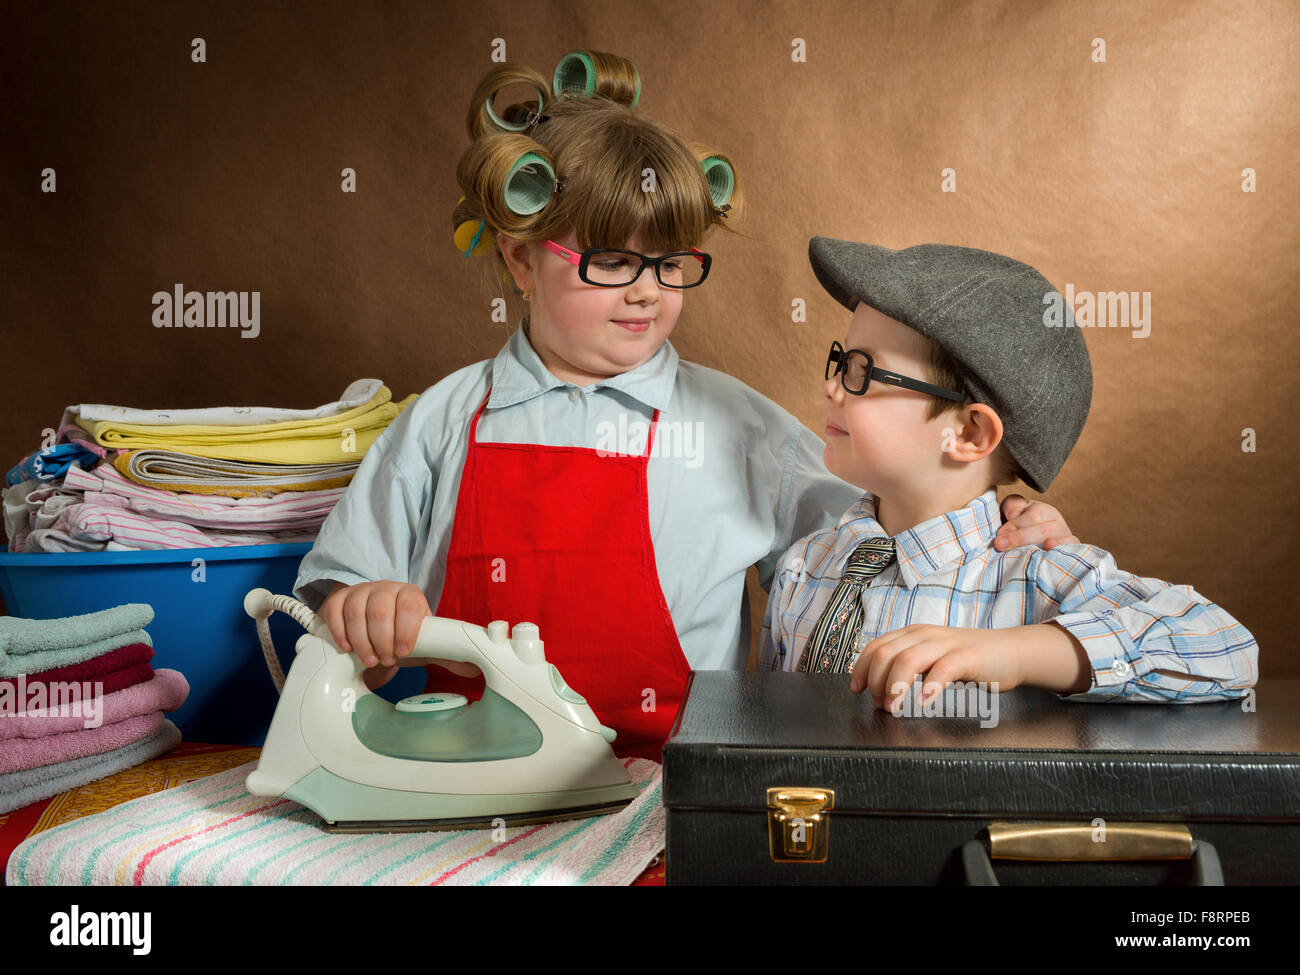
(949, 384)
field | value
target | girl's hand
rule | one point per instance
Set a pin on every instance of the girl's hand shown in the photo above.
(380, 622)
(1031, 523)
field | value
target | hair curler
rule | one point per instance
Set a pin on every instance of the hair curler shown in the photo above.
(483, 117)
(529, 184)
(721, 177)
(510, 177)
(524, 124)
(718, 172)
(473, 236)
(589, 73)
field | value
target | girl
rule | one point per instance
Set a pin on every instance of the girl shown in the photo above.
(585, 479)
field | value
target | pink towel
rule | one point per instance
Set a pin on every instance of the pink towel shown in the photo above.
(25, 753)
(165, 692)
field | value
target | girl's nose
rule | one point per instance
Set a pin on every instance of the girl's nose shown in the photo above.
(645, 287)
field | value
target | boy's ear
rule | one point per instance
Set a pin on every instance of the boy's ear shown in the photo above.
(978, 434)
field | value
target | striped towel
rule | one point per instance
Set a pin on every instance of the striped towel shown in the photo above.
(212, 832)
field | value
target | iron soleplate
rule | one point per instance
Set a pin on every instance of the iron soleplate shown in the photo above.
(471, 822)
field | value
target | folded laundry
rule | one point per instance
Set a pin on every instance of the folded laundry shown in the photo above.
(18, 789)
(110, 523)
(38, 708)
(337, 438)
(57, 540)
(49, 463)
(26, 753)
(290, 510)
(116, 680)
(357, 394)
(102, 509)
(106, 668)
(33, 504)
(194, 478)
(24, 638)
(171, 471)
(40, 660)
(36, 661)
(71, 433)
(17, 513)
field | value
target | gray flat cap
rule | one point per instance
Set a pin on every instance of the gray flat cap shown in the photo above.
(987, 311)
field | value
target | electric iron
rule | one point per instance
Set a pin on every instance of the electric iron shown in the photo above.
(530, 751)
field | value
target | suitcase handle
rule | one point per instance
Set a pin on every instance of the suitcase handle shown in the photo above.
(1075, 842)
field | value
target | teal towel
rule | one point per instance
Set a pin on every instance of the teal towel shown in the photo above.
(43, 660)
(25, 643)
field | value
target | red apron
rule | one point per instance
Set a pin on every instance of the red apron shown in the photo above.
(560, 537)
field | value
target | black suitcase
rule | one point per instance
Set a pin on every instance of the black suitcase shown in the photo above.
(779, 778)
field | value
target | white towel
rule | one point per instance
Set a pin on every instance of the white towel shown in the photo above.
(357, 394)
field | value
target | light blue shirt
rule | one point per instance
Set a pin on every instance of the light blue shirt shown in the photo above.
(947, 573)
(732, 481)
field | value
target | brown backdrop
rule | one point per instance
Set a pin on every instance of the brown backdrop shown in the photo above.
(1122, 174)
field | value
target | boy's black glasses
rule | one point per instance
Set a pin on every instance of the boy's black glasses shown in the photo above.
(856, 369)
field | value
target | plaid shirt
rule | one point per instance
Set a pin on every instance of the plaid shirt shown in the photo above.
(948, 573)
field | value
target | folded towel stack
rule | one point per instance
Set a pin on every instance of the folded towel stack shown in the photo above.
(128, 479)
(79, 701)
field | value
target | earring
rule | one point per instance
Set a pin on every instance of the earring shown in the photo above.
(528, 296)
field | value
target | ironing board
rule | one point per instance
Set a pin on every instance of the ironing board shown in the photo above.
(206, 779)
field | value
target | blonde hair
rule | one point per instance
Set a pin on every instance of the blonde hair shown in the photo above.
(942, 371)
(620, 173)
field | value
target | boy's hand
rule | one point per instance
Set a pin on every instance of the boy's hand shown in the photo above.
(942, 653)
(1031, 523)
(1039, 655)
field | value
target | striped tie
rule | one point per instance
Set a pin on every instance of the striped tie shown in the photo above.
(832, 639)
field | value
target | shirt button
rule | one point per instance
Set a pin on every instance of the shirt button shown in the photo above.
(574, 394)
(1121, 667)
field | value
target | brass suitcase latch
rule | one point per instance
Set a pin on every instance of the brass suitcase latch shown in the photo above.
(798, 824)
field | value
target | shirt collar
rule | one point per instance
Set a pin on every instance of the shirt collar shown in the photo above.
(934, 544)
(518, 374)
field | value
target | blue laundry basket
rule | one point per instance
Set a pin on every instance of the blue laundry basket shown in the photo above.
(199, 626)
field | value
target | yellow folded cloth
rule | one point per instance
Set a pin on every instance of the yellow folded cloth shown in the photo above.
(319, 441)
